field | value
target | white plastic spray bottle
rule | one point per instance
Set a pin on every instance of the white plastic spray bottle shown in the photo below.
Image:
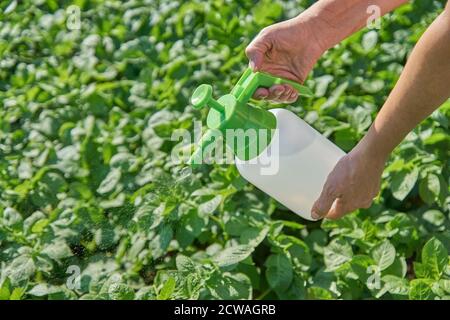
(274, 149)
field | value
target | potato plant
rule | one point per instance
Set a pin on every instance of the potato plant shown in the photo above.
(92, 205)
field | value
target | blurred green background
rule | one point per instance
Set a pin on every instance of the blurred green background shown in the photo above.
(93, 207)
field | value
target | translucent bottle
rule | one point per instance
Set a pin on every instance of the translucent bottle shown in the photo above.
(295, 165)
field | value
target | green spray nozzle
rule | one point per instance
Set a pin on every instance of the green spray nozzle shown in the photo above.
(202, 97)
(232, 111)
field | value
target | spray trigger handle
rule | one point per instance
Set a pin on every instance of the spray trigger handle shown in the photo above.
(250, 81)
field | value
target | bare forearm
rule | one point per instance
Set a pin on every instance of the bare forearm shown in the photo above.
(421, 89)
(338, 19)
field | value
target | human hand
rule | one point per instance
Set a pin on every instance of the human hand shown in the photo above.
(288, 50)
(352, 184)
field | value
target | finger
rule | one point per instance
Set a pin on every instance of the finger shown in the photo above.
(293, 97)
(288, 90)
(275, 92)
(323, 204)
(340, 208)
(367, 205)
(255, 54)
(261, 93)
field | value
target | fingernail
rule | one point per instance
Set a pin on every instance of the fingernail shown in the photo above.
(260, 96)
(315, 215)
(252, 65)
(279, 92)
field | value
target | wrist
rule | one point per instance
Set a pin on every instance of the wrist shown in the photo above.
(318, 29)
(373, 148)
(322, 23)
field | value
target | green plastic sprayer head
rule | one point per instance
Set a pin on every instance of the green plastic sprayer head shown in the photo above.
(232, 112)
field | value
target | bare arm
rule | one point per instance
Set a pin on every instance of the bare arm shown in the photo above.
(291, 48)
(423, 86)
(339, 19)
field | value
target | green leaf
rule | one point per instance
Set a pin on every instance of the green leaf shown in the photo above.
(296, 291)
(40, 225)
(233, 255)
(293, 225)
(444, 284)
(436, 138)
(369, 40)
(57, 250)
(346, 138)
(398, 268)
(317, 240)
(298, 251)
(43, 289)
(20, 269)
(337, 253)
(230, 286)
(120, 291)
(384, 254)
(190, 227)
(394, 285)
(434, 217)
(17, 294)
(429, 188)
(267, 11)
(403, 182)
(363, 267)
(361, 119)
(208, 207)
(167, 289)
(110, 181)
(434, 258)
(185, 264)
(5, 289)
(318, 293)
(279, 272)
(420, 289)
(373, 86)
(161, 241)
(12, 218)
(419, 270)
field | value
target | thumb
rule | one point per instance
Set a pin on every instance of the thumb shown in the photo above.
(323, 204)
(340, 208)
(255, 54)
